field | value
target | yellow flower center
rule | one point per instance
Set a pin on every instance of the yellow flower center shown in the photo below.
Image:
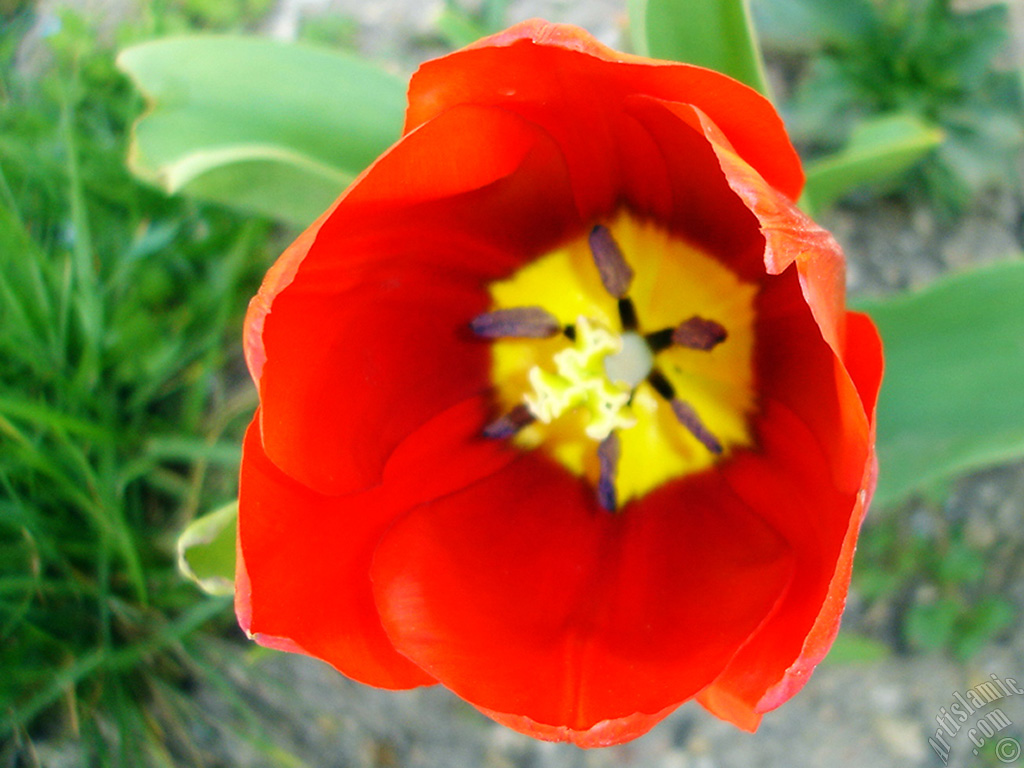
(582, 381)
(649, 348)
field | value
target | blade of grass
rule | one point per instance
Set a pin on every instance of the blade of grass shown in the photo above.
(87, 289)
(47, 418)
(113, 661)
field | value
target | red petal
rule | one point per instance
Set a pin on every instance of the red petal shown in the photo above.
(603, 734)
(565, 81)
(302, 582)
(700, 205)
(303, 572)
(369, 338)
(349, 376)
(448, 453)
(523, 596)
(798, 369)
(865, 360)
(801, 482)
(277, 278)
(787, 482)
(435, 164)
(790, 236)
(717, 700)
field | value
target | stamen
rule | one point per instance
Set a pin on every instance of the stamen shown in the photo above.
(627, 314)
(661, 384)
(660, 340)
(698, 333)
(695, 333)
(510, 423)
(608, 456)
(689, 419)
(684, 412)
(616, 274)
(516, 322)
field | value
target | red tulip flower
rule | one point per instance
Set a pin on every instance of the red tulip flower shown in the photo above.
(560, 404)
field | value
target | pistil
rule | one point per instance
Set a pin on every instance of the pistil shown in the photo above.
(631, 364)
(580, 381)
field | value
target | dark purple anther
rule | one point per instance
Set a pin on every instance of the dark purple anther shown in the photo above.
(608, 456)
(509, 424)
(516, 322)
(616, 274)
(689, 419)
(698, 333)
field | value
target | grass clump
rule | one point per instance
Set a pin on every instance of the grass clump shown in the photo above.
(122, 401)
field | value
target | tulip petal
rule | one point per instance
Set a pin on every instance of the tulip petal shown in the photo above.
(799, 369)
(369, 338)
(536, 70)
(813, 517)
(702, 207)
(352, 374)
(796, 487)
(790, 235)
(304, 557)
(603, 734)
(303, 565)
(523, 596)
(414, 171)
(864, 357)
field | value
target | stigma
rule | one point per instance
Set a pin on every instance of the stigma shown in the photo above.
(582, 381)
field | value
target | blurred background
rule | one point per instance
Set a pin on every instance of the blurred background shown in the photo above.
(124, 274)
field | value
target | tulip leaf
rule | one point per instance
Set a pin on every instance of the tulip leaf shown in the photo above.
(806, 26)
(718, 34)
(206, 550)
(850, 648)
(879, 148)
(259, 125)
(932, 626)
(951, 399)
(458, 27)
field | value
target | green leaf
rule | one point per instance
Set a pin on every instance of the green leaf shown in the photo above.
(961, 565)
(989, 617)
(457, 27)
(879, 149)
(804, 26)
(951, 397)
(206, 550)
(932, 626)
(852, 649)
(259, 125)
(717, 34)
